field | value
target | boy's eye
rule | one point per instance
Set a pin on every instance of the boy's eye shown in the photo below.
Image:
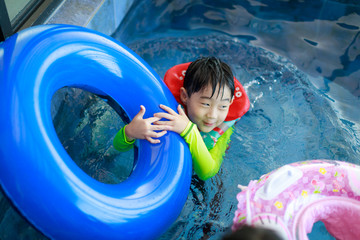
(224, 107)
(205, 104)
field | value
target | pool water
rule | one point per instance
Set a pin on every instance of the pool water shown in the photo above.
(299, 64)
(287, 55)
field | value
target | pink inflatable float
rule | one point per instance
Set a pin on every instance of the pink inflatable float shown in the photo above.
(292, 198)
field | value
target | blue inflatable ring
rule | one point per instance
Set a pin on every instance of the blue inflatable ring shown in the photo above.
(36, 172)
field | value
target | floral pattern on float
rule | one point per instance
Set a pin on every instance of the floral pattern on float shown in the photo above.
(292, 198)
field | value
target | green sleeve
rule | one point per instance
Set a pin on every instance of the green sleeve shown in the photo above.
(121, 143)
(206, 163)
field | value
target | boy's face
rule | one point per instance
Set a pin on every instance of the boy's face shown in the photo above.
(205, 111)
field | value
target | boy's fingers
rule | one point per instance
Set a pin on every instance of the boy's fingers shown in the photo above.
(164, 115)
(166, 108)
(159, 127)
(141, 113)
(181, 110)
(162, 133)
(153, 119)
(151, 140)
(158, 134)
(167, 123)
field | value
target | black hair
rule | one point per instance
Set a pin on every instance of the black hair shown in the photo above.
(252, 233)
(208, 70)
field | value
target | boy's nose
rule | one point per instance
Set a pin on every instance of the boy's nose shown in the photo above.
(212, 113)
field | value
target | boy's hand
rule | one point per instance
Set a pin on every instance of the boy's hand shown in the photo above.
(177, 121)
(140, 128)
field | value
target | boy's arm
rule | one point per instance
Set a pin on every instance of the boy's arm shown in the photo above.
(121, 142)
(206, 163)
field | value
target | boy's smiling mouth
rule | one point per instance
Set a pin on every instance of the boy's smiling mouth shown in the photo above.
(209, 124)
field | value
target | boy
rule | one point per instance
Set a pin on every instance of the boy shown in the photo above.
(248, 232)
(207, 94)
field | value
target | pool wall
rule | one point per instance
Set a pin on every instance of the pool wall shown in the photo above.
(100, 15)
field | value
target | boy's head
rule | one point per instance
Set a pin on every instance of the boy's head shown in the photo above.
(208, 92)
(252, 233)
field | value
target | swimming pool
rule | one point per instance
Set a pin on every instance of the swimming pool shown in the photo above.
(299, 64)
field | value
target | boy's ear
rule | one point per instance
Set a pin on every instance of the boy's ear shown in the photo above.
(183, 95)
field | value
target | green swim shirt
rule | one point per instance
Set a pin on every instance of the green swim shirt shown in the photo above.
(206, 162)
